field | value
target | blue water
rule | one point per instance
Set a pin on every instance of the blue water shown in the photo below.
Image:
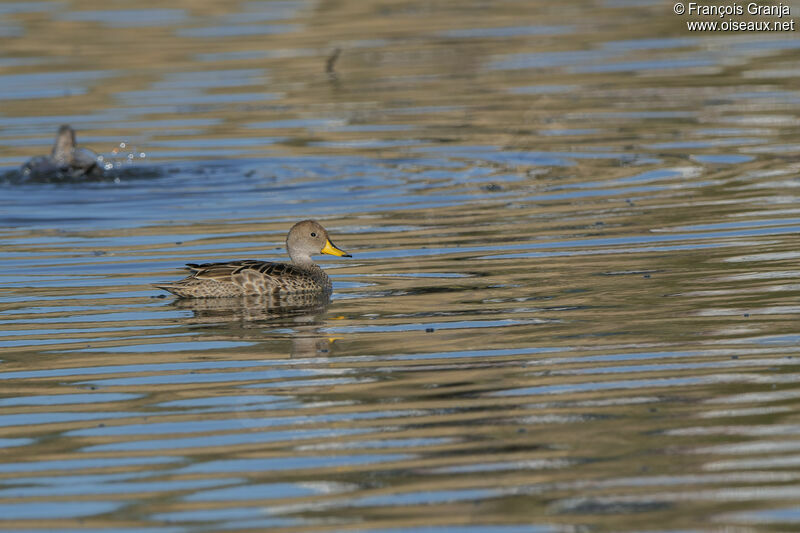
(571, 303)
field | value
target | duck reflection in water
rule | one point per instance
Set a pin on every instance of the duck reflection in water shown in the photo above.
(245, 317)
(277, 308)
(66, 161)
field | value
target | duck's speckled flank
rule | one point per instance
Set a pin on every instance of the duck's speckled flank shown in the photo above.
(248, 277)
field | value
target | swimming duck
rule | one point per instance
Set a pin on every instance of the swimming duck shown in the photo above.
(66, 160)
(252, 277)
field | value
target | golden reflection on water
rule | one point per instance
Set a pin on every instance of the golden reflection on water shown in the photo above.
(571, 303)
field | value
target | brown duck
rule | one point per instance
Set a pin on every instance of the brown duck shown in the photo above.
(66, 160)
(252, 277)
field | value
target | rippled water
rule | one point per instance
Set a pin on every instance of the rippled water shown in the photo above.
(572, 302)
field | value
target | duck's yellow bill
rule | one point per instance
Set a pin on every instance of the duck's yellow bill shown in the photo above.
(331, 249)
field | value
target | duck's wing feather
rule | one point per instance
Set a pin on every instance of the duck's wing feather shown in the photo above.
(256, 276)
(227, 270)
(218, 271)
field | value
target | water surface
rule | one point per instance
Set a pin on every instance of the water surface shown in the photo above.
(571, 303)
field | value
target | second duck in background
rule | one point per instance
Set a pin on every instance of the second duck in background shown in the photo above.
(66, 160)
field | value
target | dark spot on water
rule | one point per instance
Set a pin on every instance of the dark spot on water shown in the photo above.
(159, 296)
(429, 330)
(97, 253)
(492, 187)
(612, 507)
(746, 315)
(734, 357)
(178, 242)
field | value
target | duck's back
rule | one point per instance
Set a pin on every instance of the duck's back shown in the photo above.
(248, 277)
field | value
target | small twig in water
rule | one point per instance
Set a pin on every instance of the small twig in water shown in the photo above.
(330, 63)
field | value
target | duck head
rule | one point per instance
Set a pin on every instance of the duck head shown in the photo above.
(309, 238)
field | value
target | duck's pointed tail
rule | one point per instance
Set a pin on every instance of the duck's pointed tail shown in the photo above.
(169, 287)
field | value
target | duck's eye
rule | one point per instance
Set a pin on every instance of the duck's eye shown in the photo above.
(313, 234)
